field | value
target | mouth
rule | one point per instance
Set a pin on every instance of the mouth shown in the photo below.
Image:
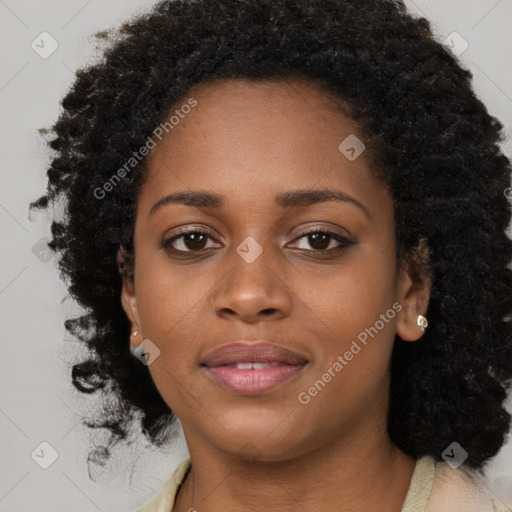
(252, 368)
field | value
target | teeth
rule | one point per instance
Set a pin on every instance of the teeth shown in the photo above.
(256, 366)
(244, 366)
(260, 366)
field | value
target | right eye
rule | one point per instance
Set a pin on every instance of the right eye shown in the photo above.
(192, 240)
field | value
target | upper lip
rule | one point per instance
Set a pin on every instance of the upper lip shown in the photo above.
(254, 352)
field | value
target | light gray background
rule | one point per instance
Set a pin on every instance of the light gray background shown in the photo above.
(37, 403)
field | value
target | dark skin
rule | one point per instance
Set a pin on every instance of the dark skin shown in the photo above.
(250, 141)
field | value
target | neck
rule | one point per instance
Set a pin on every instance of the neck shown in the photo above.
(363, 474)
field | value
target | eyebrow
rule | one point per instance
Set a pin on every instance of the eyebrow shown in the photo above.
(286, 200)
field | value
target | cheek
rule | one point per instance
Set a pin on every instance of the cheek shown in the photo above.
(350, 297)
(171, 311)
(350, 314)
(170, 297)
(352, 323)
(170, 315)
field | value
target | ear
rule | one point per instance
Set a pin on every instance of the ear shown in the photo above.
(414, 284)
(128, 298)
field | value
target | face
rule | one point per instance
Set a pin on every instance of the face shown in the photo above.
(312, 275)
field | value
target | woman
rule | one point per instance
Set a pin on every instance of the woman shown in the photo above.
(287, 223)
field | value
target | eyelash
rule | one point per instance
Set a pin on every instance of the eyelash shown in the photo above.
(344, 242)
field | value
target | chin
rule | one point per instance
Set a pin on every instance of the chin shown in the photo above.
(259, 446)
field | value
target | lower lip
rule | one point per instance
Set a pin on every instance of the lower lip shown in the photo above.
(253, 382)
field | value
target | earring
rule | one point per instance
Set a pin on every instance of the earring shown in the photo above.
(422, 322)
(135, 333)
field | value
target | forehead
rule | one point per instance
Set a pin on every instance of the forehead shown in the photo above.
(238, 107)
(295, 93)
(248, 139)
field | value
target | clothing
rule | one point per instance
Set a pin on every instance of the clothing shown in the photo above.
(434, 487)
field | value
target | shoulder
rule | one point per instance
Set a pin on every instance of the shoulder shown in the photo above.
(163, 501)
(461, 490)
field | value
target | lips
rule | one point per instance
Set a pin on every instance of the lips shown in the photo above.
(252, 369)
(252, 352)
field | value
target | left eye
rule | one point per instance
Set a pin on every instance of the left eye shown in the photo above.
(321, 240)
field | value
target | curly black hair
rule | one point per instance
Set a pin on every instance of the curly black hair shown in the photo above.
(432, 142)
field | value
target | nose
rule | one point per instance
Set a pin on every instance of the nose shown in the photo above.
(253, 291)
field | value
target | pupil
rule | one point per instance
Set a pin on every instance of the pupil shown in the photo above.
(193, 238)
(316, 236)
